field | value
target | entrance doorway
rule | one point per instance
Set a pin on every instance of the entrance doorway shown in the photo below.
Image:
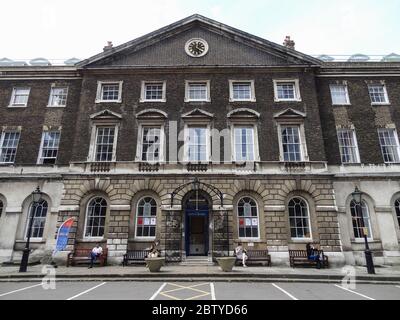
(196, 225)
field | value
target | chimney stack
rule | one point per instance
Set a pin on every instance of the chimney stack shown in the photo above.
(289, 43)
(108, 46)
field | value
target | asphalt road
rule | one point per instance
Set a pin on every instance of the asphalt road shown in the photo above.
(195, 291)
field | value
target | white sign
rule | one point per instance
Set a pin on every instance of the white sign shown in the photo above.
(254, 221)
(153, 221)
(146, 221)
(248, 222)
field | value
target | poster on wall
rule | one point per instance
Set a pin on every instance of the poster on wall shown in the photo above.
(153, 221)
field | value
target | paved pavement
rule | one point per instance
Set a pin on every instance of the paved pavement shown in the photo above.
(172, 273)
(154, 290)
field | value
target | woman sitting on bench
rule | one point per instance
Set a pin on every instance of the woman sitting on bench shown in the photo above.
(313, 254)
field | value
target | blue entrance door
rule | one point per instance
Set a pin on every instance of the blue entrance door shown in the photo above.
(196, 235)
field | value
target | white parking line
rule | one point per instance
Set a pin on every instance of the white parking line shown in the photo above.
(360, 294)
(212, 289)
(26, 288)
(158, 291)
(86, 291)
(285, 292)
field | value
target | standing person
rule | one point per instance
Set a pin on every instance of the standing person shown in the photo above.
(97, 251)
(313, 254)
(241, 253)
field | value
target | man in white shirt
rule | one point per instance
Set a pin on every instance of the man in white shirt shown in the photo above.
(241, 254)
(96, 252)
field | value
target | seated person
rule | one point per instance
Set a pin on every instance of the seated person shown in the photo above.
(97, 251)
(241, 253)
(154, 251)
(313, 254)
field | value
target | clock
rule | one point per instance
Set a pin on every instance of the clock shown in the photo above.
(196, 47)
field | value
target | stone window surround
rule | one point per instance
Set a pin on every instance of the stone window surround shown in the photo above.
(296, 88)
(248, 239)
(194, 123)
(47, 129)
(312, 214)
(93, 138)
(343, 83)
(10, 129)
(11, 105)
(248, 123)
(395, 197)
(390, 126)
(100, 84)
(3, 208)
(252, 88)
(261, 213)
(143, 91)
(23, 221)
(132, 220)
(383, 83)
(303, 145)
(81, 223)
(350, 128)
(374, 237)
(55, 86)
(151, 123)
(187, 98)
(144, 238)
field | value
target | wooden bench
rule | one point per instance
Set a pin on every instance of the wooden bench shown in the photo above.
(135, 257)
(299, 257)
(80, 256)
(256, 257)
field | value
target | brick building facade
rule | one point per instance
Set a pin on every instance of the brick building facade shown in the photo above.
(299, 135)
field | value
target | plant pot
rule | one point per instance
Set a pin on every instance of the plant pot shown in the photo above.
(155, 264)
(226, 263)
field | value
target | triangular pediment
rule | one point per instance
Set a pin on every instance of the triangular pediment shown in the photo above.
(106, 115)
(227, 46)
(289, 113)
(197, 113)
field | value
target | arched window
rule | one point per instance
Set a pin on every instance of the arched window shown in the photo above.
(299, 218)
(397, 208)
(248, 218)
(146, 218)
(1, 208)
(37, 212)
(96, 217)
(361, 219)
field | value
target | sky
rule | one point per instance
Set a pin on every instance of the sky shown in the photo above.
(62, 29)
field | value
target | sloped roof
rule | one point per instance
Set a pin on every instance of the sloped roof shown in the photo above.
(193, 20)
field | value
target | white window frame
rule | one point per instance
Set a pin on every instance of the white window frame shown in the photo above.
(370, 231)
(354, 136)
(32, 238)
(302, 137)
(99, 94)
(238, 124)
(187, 87)
(19, 105)
(237, 220)
(40, 158)
(346, 93)
(297, 96)
(396, 138)
(93, 141)
(136, 219)
(54, 86)
(86, 220)
(386, 102)
(2, 141)
(139, 147)
(143, 91)
(186, 141)
(252, 91)
(297, 239)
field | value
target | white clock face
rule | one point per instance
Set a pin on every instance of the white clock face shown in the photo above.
(196, 47)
